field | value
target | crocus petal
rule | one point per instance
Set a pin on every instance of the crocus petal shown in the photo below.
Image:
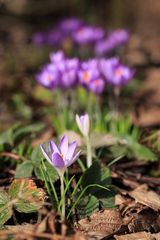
(71, 151)
(86, 124)
(57, 161)
(45, 154)
(63, 146)
(53, 148)
(79, 123)
(73, 159)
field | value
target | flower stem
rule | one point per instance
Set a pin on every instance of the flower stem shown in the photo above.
(89, 152)
(116, 95)
(63, 200)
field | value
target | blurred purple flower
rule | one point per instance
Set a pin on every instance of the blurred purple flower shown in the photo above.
(97, 85)
(113, 40)
(61, 156)
(61, 70)
(69, 25)
(114, 72)
(48, 77)
(120, 36)
(90, 76)
(38, 38)
(69, 76)
(54, 37)
(57, 57)
(87, 34)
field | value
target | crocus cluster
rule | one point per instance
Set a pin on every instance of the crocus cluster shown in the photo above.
(93, 75)
(60, 73)
(81, 33)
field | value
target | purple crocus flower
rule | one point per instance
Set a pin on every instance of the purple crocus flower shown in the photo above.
(61, 156)
(88, 34)
(57, 57)
(67, 69)
(48, 76)
(38, 38)
(69, 76)
(113, 40)
(83, 123)
(116, 73)
(97, 86)
(54, 37)
(90, 76)
(88, 72)
(69, 25)
(119, 36)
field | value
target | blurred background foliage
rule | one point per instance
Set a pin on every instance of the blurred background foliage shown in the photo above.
(20, 59)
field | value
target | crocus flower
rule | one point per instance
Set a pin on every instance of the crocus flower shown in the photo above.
(54, 37)
(57, 57)
(116, 73)
(69, 25)
(113, 40)
(38, 38)
(87, 34)
(61, 156)
(69, 76)
(90, 76)
(83, 123)
(97, 85)
(88, 72)
(48, 76)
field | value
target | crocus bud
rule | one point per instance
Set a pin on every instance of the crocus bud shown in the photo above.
(83, 123)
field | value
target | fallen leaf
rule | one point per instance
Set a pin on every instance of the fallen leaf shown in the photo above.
(146, 197)
(138, 236)
(101, 224)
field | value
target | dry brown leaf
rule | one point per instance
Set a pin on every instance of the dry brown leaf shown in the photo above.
(138, 236)
(146, 220)
(146, 197)
(18, 228)
(101, 224)
(156, 236)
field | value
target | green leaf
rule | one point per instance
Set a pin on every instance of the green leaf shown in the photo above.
(87, 206)
(119, 150)
(23, 131)
(131, 148)
(106, 198)
(6, 137)
(28, 198)
(24, 170)
(139, 151)
(92, 176)
(108, 201)
(5, 207)
(36, 156)
(143, 153)
(106, 177)
(51, 173)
